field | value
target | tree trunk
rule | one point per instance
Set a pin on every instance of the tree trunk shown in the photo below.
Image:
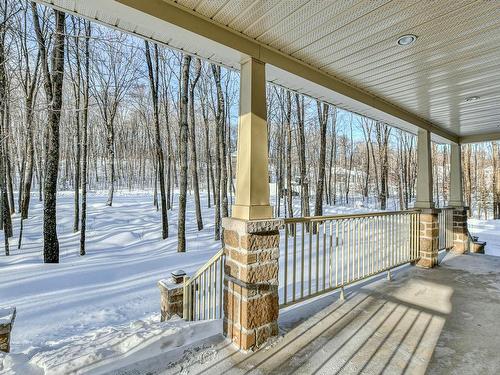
(219, 120)
(304, 183)
(323, 122)
(192, 141)
(53, 90)
(183, 153)
(288, 120)
(85, 138)
(160, 160)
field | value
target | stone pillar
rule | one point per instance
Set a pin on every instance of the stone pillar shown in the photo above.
(171, 299)
(428, 238)
(424, 170)
(460, 231)
(252, 167)
(251, 281)
(7, 317)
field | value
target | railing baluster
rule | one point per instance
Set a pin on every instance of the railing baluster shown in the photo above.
(309, 227)
(324, 255)
(294, 260)
(302, 263)
(286, 265)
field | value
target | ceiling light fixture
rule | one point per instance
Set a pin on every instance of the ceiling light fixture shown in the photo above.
(472, 98)
(406, 40)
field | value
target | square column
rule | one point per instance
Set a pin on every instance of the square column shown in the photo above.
(424, 170)
(251, 304)
(456, 191)
(252, 168)
(429, 238)
(460, 231)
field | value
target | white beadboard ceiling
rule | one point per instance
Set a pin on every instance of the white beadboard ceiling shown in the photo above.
(456, 54)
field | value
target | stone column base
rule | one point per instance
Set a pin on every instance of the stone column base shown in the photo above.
(171, 299)
(428, 238)
(7, 317)
(460, 232)
(251, 303)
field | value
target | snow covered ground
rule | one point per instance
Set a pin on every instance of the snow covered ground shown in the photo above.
(83, 313)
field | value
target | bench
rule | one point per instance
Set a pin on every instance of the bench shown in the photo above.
(7, 316)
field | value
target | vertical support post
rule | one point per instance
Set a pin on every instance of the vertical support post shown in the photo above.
(424, 171)
(456, 190)
(252, 169)
(460, 232)
(251, 303)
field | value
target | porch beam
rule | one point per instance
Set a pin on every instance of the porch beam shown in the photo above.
(424, 171)
(477, 138)
(252, 168)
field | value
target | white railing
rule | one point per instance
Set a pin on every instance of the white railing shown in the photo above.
(445, 220)
(324, 253)
(203, 292)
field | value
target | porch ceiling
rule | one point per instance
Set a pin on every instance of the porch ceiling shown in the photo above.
(344, 51)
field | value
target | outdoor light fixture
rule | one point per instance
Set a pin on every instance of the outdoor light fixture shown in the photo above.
(472, 98)
(406, 40)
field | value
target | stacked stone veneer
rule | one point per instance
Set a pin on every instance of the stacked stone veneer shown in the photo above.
(460, 233)
(251, 281)
(171, 299)
(429, 238)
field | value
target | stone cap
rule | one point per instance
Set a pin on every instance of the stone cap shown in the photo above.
(252, 226)
(169, 284)
(178, 276)
(429, 210)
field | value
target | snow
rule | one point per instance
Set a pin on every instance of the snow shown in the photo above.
(93, 313)
(6, 315)
(115, 283)
(105, 349)
(488, 231)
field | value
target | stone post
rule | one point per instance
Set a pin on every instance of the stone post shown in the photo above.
(460, 232)
(429, 238)
(171, 299)
(251, 281)
(7, 317)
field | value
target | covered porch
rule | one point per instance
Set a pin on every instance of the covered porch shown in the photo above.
(427, 91)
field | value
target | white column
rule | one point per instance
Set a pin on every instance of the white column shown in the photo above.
(424, 171)
(456, 196)
(252, 170)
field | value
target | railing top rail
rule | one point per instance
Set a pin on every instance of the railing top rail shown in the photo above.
(205, 266)
(347, 216)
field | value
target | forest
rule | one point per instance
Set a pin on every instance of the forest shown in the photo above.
(86, 108)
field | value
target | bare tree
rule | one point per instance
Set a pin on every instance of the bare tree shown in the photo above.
(304, 181)
(323, 110)
(219, 120)
(496, 179)
(85, 112)
(154, 85)
(53, 91)
(183, 153)
(115, 73)
(192, 141)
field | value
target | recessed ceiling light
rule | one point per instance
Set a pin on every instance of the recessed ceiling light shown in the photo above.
(406, 40)
(472, 98)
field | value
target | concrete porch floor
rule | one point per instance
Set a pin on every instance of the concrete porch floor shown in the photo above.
(440, 321)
